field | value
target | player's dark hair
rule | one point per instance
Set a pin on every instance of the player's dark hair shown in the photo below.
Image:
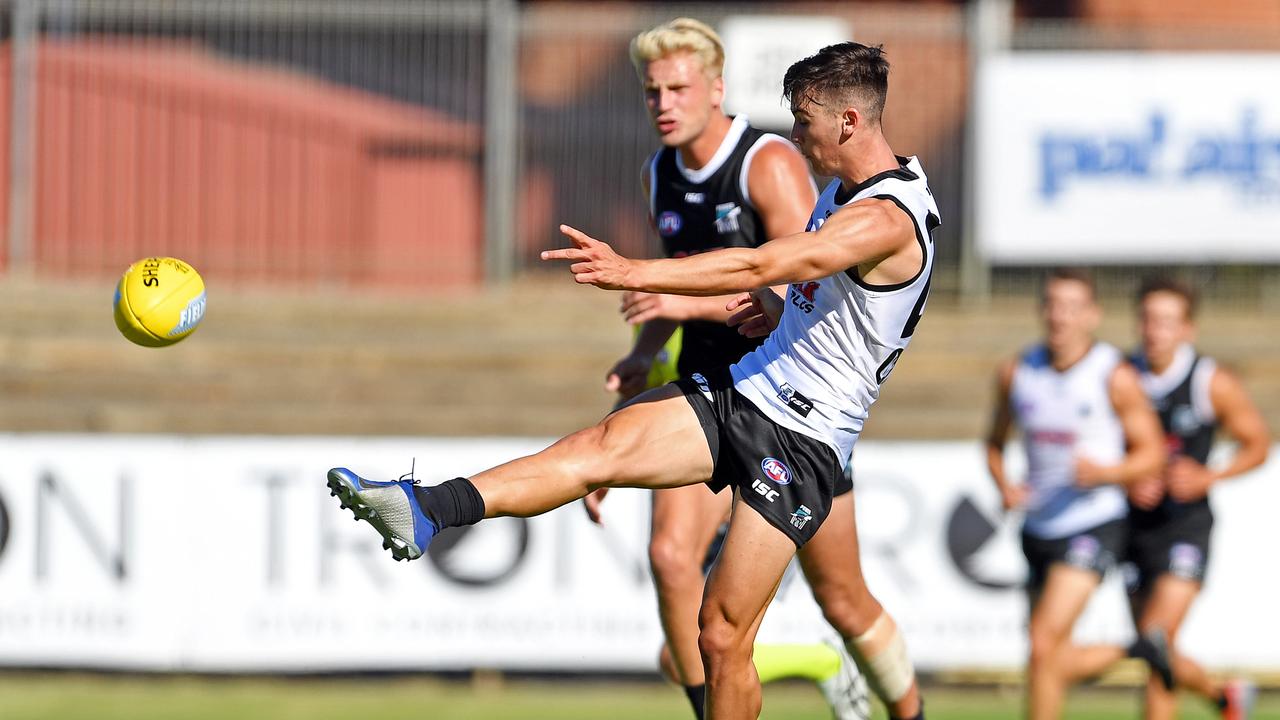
(1074, 274)
(847, 71)
(1171, 285)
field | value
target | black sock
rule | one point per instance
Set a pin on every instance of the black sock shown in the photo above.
(1222, 701)
(1156, 656)
(451, 503)
(1143, 649)
(698, 699)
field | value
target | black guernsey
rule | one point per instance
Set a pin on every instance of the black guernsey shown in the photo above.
(696, 211)
(1187, 432)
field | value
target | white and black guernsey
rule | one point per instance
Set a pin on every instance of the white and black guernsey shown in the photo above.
(710, 208)
(1181, 398)
(1065, 415)
(839, 337)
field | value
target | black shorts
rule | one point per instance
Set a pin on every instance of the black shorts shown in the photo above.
(787, 477)
(1096, 549)
(1179, 547)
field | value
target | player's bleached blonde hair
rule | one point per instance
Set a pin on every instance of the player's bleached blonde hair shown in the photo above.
(680, 35)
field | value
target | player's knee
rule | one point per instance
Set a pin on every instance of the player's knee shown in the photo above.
(719, 639)
(851, 610)
(591, 456)
(1044, 646)
(671, 560)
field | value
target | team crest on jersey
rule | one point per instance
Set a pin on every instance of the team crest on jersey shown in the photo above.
(727, 217)
(1183, 420)
(775, 470)
(669, 223)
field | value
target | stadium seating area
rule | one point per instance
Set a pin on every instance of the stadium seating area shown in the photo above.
(414, 365)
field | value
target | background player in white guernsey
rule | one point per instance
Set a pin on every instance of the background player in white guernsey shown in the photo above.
(779, 425)
(1088, 432)
(718, 182)
(1169, 517)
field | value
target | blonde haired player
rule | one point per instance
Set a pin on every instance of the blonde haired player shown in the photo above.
(779, 425)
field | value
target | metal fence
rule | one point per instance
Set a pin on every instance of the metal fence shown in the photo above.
(349, 142)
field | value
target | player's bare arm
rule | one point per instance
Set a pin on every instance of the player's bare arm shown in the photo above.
(1188, 480)
(867, 234)
(781, 190)
(1012, 495)
(779, 177)
(1145, 454)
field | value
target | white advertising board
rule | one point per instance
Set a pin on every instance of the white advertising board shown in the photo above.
(758, 51)
(227, 554)
(1128, 158)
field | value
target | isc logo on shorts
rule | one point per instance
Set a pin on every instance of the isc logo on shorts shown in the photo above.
(763, 490)
(776, 471)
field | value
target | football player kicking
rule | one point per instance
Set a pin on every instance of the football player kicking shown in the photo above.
(718, 182)
(784, 418)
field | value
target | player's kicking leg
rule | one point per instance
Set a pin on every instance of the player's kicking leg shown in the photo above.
(655, 442)
(832, 565)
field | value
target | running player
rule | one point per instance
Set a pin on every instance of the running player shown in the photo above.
(717, 182)
(778, 425)
(1169, 515)
(1088, 432)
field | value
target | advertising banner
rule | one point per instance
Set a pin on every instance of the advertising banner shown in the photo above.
(758, 51)
(228, 554)
(1128, 158)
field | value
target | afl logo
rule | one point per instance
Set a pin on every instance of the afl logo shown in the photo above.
(669, 223)
(776, 471)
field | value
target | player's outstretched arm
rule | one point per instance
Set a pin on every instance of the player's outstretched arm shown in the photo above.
(1145, 454)
(1011, 495)
(869, 230)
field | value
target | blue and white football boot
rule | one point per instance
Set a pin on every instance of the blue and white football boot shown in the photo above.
(390, 507)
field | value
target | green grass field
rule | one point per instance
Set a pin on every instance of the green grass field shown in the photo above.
(25, 696)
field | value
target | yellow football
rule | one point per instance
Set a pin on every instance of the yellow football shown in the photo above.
(159, 301)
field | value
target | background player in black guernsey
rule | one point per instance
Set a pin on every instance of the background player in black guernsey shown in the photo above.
(1169, 516)
(1088, 431)
(779, 425)
(719, 182)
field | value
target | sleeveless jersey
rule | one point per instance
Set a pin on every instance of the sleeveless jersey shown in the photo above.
(708, 209)
(1180, 396)
(839, 337)
(1064, 416)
